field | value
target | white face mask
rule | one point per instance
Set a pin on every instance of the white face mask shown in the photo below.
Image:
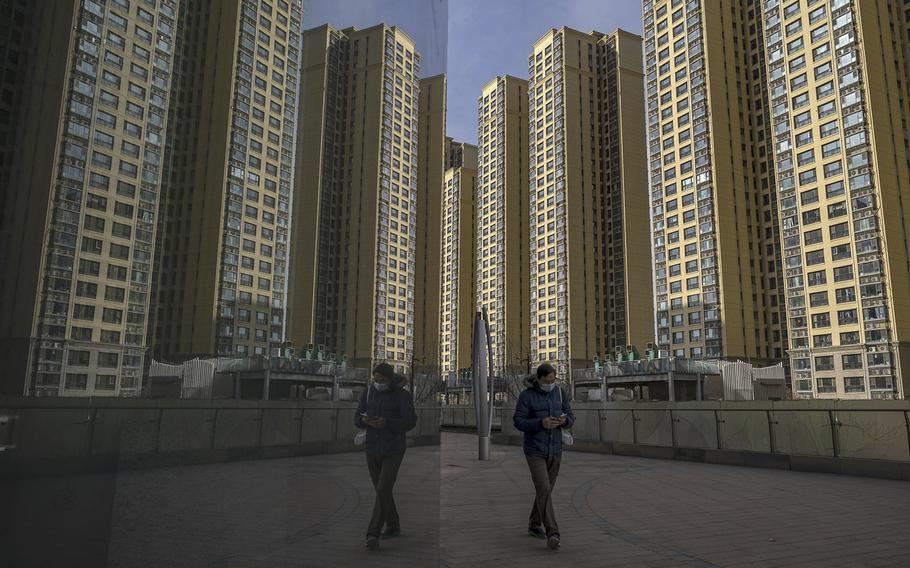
(381, 386)
(548, 387)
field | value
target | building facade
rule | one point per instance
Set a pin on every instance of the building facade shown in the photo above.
(501, 220)
(456, 315)
(590, 284)
(838, 83)
(717, 262)
(355, 213)
(431, 161)
(82, 178)
(221, 283)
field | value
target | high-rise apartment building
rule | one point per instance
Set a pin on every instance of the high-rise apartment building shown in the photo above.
(431, 159)
(355, 204)
(89, 83)
(590, 277)
(838, 76)
(456, 319)
(717, 267)
(221, 284)
(501, 220)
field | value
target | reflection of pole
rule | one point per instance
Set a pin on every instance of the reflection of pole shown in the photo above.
(480, 369)
(492, 378)
(335, 383)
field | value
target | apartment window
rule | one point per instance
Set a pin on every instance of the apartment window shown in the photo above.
(813, 216)
(840, 252)
(115, 272)
(842, 273)
(819, 32)
(110, 315)
(831, 148)
(114, 294)
(833, 169)
(817, 299)
(86, 289)
(828, 129)
(81, 333)
(824, 363)
(837, 210)
(816, 15)
(79, 358)
(847, 317)
(825, 385)
(106, 382)
(812, 237)
(108, 336)
(83, 312)
(817, 278)
(854, 384)
(110, 78)
(849, 338)
(853, 361)
(112, 59)
(821, 51)
(76, 381)
(807, 177)
(844, 295)
(89, 267)
(91, 223)
(815, 257)
(108, 360)
(839, 231)
(807, 157)
(834, 189)
(121, 231)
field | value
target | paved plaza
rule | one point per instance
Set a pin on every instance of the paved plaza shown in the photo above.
(458, 512)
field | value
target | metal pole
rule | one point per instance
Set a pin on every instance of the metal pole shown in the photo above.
(834, 425)
(671, 387)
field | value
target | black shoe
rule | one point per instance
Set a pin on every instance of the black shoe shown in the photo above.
(391, 533)
(372, 542)
(537, 532)
(553, 541)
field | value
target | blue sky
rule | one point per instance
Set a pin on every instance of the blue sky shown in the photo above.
(473, 41)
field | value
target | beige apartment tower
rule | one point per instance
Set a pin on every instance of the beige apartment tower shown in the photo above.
(590, 275)
(355, 202)
(839, 74)
(717, 263)
(87, 84)
(221, 282)
(501, 221)
(431, 160)
(456, 319)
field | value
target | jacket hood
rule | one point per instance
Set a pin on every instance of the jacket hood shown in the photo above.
(532, 382)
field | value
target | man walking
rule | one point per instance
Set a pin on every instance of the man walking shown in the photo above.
(542, 410)
(387, 413)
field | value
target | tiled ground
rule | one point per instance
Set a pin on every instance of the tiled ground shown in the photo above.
(456, 511)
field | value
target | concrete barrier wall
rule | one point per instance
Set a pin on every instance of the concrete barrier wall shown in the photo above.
(853, 436)
(139, 432)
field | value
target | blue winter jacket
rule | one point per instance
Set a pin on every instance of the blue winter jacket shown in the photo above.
(535, 404)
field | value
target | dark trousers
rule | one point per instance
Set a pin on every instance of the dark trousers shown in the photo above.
(543, 473)
(384, 472)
